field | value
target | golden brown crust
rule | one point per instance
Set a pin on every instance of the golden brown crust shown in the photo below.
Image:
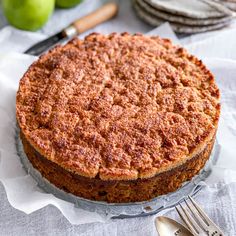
(118, 107)
(122, 190)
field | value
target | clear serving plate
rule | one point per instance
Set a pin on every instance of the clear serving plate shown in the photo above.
(122, 210)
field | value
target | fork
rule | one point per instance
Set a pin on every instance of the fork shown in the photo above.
(197, 220)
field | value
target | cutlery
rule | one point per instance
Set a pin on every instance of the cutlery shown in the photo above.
(197, 220)
(79, 26)
(167, 226)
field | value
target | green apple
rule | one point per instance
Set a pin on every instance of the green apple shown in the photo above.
(67, 3)
(28, 14)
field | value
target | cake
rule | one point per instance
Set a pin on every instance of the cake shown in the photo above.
(119, 117)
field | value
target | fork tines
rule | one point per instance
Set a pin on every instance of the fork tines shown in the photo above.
(196, 219)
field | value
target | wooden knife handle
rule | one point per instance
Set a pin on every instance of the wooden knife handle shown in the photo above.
(102, 14)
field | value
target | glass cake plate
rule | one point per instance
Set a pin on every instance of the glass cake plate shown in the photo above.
(122, 210)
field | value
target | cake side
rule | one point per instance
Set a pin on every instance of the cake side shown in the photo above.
(117, 191)
(118, 107)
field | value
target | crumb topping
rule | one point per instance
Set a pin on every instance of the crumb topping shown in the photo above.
(117, 106)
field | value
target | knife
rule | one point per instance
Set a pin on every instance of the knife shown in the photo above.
(79, 26)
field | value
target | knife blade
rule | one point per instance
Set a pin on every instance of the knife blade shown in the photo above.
(79, 26)
(42, 46)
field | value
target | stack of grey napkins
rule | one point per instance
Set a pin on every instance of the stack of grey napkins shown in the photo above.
(185, 16)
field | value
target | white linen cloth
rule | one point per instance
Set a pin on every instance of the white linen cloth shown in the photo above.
(218, 198)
